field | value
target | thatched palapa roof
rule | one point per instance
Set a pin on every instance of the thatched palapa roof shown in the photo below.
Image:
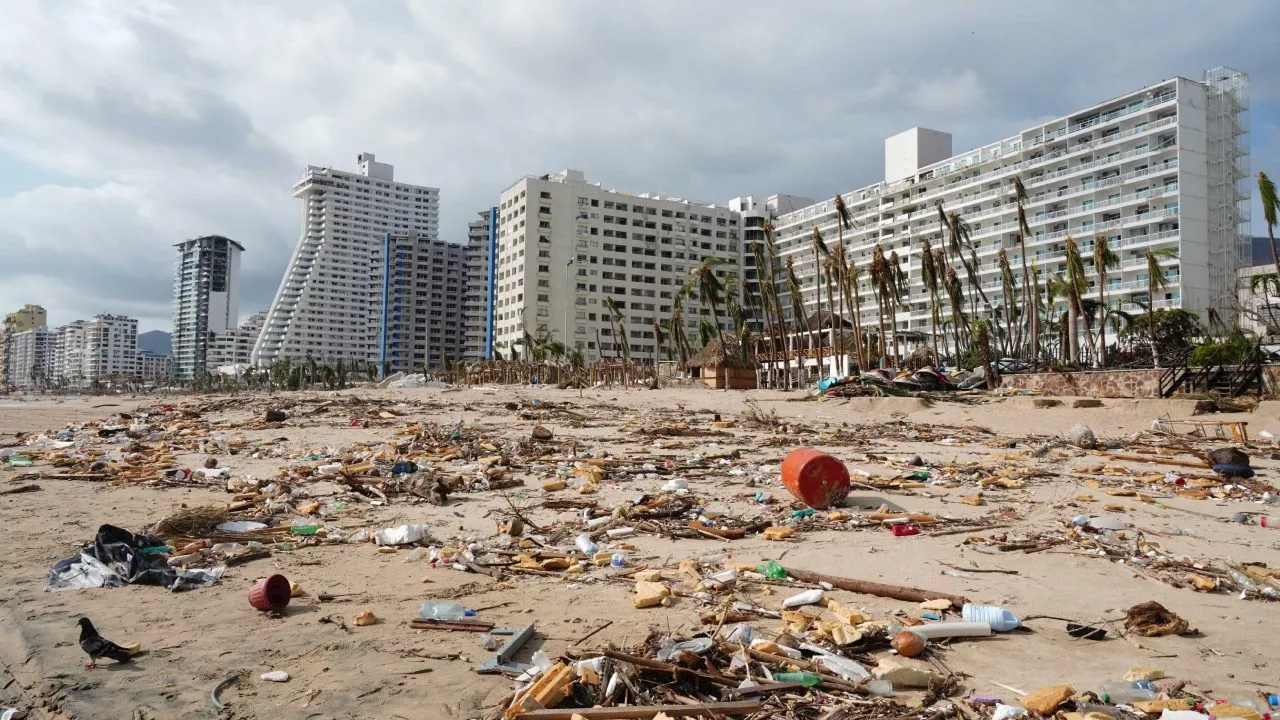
(709, 355)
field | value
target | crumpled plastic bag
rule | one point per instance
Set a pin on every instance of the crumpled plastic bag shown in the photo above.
(116, 558)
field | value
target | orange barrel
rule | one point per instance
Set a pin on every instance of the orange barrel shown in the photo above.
(815, 477)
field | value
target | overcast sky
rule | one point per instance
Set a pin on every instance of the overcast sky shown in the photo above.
(129, 125)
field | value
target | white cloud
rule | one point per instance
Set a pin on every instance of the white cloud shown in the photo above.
(176, 119)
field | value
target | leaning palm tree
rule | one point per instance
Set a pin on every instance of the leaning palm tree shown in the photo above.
(844, 221)
(711, 292)
(1270, 210)
(1104, 260)
(1076, 286)
(820, 252)
(1024, 229)
(1156, 280)
(880, 280)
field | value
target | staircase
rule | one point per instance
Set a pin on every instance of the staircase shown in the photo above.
(1214, 377)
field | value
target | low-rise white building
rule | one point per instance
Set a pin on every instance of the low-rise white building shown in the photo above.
(235, 346)
(154, 369)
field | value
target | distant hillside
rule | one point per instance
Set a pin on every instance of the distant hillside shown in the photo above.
(156, 341)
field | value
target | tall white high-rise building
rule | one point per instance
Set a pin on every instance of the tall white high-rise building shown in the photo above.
(327, 306)
(566, 246)
(1165, 166)
(206, 280)
(477, 303)
(420, 309)
(30, 359)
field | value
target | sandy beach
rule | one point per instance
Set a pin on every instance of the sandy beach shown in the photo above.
(192, 640)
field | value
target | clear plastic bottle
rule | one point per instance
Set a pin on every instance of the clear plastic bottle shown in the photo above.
(1249, 586)
(442, 611)
(1120, 692)
(586, 545)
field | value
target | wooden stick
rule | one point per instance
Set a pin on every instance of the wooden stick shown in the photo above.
(866, 587)
(740, 707)
(589, 635)
(1201, 465)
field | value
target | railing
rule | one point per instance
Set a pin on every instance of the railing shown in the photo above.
(1175, 374)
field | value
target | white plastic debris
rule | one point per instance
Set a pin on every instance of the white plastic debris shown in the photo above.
(275, 676)
(402, 535)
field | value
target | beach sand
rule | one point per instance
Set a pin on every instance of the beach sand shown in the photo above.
(192, 640)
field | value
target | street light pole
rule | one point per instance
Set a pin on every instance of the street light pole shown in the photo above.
(567, 295)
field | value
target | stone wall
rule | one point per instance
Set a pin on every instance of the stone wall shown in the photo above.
(1113, 383)
(1100, 383)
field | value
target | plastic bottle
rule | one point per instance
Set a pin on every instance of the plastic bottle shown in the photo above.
(998, 618)
(1119, 692)
(1087, 708)
(304, 529)
(879, 688)
(442, 611)
(807, 679)
(772, 569)
(586, 546)
(1249, 586)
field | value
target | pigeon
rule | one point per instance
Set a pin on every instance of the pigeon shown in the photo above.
(96, 646)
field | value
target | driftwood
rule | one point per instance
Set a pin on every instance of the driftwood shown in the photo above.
(866, 587)
(715, 709)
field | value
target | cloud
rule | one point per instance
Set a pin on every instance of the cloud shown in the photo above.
(151, 121)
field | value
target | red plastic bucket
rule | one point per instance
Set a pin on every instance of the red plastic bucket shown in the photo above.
(816, 478)
(270, 593)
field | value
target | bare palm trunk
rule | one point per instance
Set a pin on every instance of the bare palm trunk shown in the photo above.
(1073, 335)
(831, 330)
(817, 292)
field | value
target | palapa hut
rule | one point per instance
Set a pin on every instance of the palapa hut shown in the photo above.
(735, 373)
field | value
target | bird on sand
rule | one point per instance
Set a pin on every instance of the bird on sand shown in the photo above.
(96, 646)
